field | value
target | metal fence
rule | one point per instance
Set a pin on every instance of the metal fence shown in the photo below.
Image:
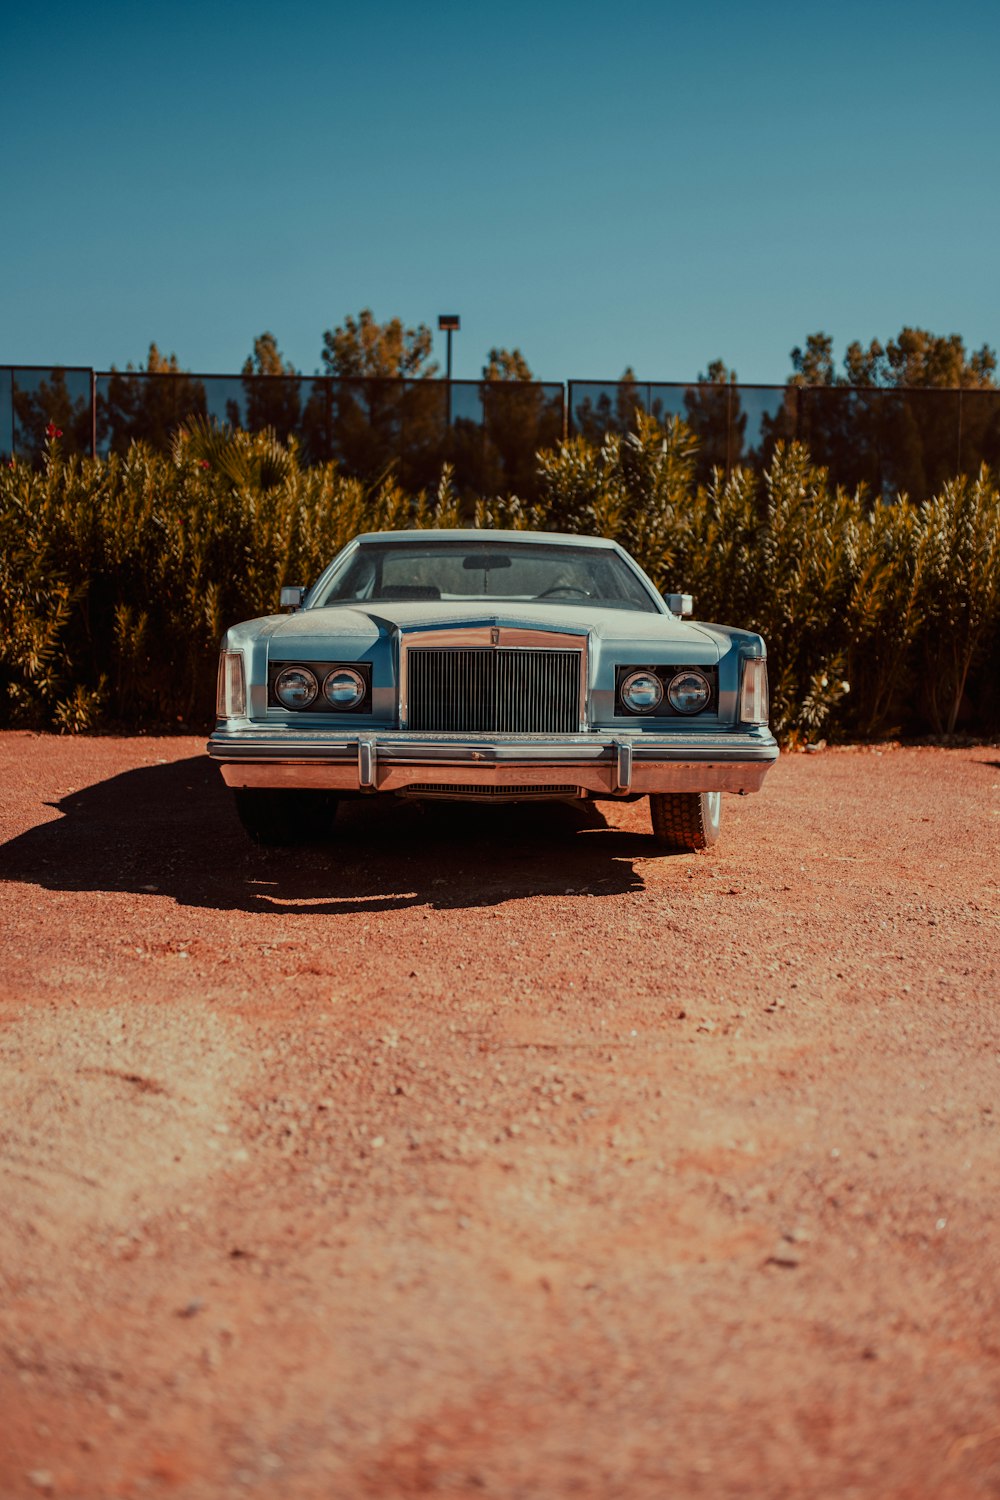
(489, 431)
(892, 440)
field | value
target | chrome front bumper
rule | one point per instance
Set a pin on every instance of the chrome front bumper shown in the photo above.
(604, 764)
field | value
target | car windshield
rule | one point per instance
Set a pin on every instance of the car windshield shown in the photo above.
(517, 572)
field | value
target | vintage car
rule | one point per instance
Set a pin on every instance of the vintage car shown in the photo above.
(488, 665)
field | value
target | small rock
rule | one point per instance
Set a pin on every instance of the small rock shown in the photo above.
(42, 1479)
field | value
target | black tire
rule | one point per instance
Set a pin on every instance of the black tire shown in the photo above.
(685, 821)
(279, 818)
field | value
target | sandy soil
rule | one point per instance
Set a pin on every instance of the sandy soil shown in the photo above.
(496, 1155)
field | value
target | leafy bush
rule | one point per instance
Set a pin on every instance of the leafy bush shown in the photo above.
(118, 576)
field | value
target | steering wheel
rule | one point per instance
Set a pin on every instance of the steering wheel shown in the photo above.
(565, 588)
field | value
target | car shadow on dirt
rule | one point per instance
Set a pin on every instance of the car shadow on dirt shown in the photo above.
(172, 829)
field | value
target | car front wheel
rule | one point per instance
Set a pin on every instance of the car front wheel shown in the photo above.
(273, 816)
(685, 821)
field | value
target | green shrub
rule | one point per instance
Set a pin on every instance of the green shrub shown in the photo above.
(118, 576)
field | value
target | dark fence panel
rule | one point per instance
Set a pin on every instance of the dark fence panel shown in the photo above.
(149, 408)
(34, 398)
(844, 431)
(980, 436)
(6, 413)
(490, 431)
(892, 441)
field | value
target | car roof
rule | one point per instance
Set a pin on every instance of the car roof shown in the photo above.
(483, 535)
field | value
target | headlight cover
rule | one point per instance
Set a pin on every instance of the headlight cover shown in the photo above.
(296, 687)
(641, 692)
(753, 692)
(231, 695)
(688, 692)
(344, 688)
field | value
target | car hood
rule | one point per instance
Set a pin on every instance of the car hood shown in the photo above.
(387, 616)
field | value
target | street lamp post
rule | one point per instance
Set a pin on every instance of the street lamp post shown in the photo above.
(449, 323)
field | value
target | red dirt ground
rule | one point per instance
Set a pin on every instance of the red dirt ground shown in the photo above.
(493, 1154)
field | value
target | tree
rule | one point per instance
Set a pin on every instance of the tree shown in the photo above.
(712, 411)
(814, 364)
(879, 422)
(519, 416)
(44, 408)
(271, 391)
(157, 363)
(360, 348)
(916, 358)
(592, 418)
(506, 364)
(367, 410)
(267, 358)
(149, 403)
(718, 373)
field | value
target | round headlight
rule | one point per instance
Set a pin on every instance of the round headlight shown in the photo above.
(642, 692)
(689, 692)
(296, 687)
(344, 688)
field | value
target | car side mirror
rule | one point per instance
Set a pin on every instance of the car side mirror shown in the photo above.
(680, 604)
(292, 595)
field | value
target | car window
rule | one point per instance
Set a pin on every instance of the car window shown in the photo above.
(513, 571)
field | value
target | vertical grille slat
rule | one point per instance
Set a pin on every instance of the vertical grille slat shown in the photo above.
(505, 690)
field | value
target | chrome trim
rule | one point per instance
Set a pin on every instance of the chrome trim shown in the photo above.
(624, 766)
(489, 637)
(599, 778)
(367, 764)
(610, 765)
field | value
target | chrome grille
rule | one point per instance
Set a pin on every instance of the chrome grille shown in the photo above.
(506, 690)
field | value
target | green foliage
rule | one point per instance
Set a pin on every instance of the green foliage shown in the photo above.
(960, 594)
(506, 364)
(877, 618)
(915, 359)
(361, 348)
(118, 576)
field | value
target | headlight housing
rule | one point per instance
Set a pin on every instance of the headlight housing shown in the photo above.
(344, 688)
(753, 692)
(231, 693)
(689, 691)
(641, 692)
(665, 690)
(320, 687)
(296, 687)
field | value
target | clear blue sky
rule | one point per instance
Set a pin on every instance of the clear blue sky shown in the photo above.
(598, 184)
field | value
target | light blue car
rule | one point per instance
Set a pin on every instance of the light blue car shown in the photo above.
(488, 666)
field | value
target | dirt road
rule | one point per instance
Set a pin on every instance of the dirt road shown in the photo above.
(494, 1155)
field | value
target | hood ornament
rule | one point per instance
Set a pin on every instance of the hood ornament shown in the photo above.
(494, 635)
